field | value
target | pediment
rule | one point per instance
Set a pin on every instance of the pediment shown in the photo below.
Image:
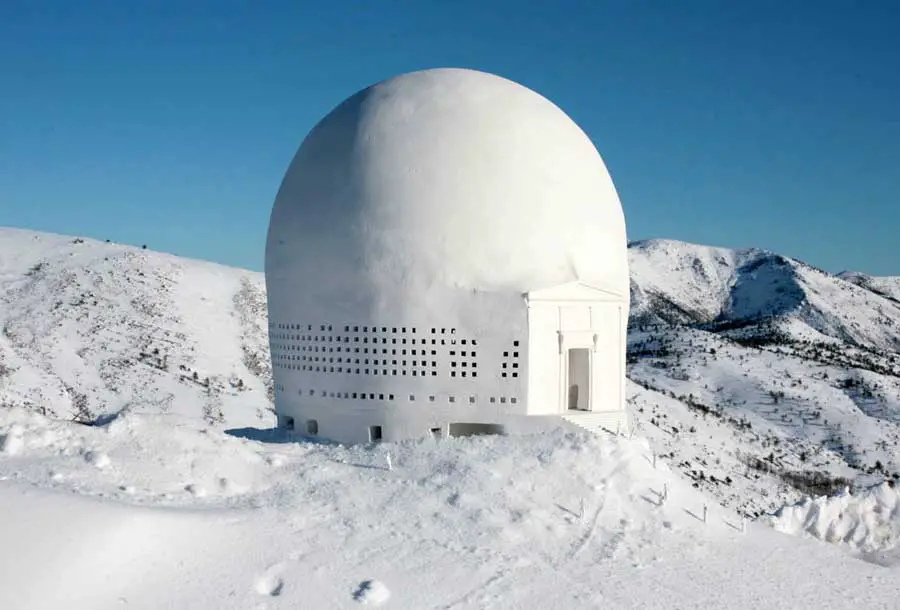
(573, 291)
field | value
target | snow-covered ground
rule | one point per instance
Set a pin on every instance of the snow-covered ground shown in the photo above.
(90, 328)
(138, 467)
(160, 512)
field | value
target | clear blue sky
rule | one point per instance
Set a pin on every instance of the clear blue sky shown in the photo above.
(726, 123)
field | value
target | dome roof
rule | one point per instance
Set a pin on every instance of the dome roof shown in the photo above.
(446, 177)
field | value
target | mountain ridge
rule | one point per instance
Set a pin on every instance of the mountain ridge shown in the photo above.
(688, 284)
(91, 328)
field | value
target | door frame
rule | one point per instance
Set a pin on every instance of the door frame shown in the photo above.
(568, 340)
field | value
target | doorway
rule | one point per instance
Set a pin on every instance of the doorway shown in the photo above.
(579, 379)
(375, 434)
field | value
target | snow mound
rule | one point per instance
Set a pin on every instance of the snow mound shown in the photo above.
(372, 593)
(12, 442)
(560, 519)
(270, 583)
(868, 522)
(144, 459)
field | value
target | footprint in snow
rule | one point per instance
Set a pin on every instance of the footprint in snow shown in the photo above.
(12, 443)
(275, 460)
(270, 582)
(97, 458)
(198, 491)
(372, 593)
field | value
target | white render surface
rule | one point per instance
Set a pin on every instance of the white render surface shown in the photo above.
(426, 235)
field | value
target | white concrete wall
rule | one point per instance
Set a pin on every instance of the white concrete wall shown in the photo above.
(349, 422)
(578, 323)
(544, 358)
(474, 352)
(609, 357)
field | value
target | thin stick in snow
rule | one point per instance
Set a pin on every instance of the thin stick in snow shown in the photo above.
(705, 512)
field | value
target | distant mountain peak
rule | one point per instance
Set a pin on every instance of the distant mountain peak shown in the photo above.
(682, 283)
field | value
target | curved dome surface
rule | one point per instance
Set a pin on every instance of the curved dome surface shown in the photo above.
(449, 177)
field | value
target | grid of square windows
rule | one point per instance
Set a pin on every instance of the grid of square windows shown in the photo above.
(509, 365)
(353, 349)
(388, 351)
(382, 396)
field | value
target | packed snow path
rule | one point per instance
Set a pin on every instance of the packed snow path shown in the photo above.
(168, 513)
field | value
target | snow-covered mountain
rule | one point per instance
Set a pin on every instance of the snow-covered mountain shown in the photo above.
(90, 328)
(748, 371)
(759, 292)
(760, 376)
(885, 286)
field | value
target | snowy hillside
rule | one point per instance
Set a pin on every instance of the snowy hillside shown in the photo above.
(760, 377)
(92, 328)
(885, 286)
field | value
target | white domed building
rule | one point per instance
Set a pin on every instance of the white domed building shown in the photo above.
(446, 253)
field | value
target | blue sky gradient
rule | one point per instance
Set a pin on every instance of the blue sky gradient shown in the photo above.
(736, 124)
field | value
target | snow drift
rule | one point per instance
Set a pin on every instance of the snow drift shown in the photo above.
(868, 521)
(559, 520)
